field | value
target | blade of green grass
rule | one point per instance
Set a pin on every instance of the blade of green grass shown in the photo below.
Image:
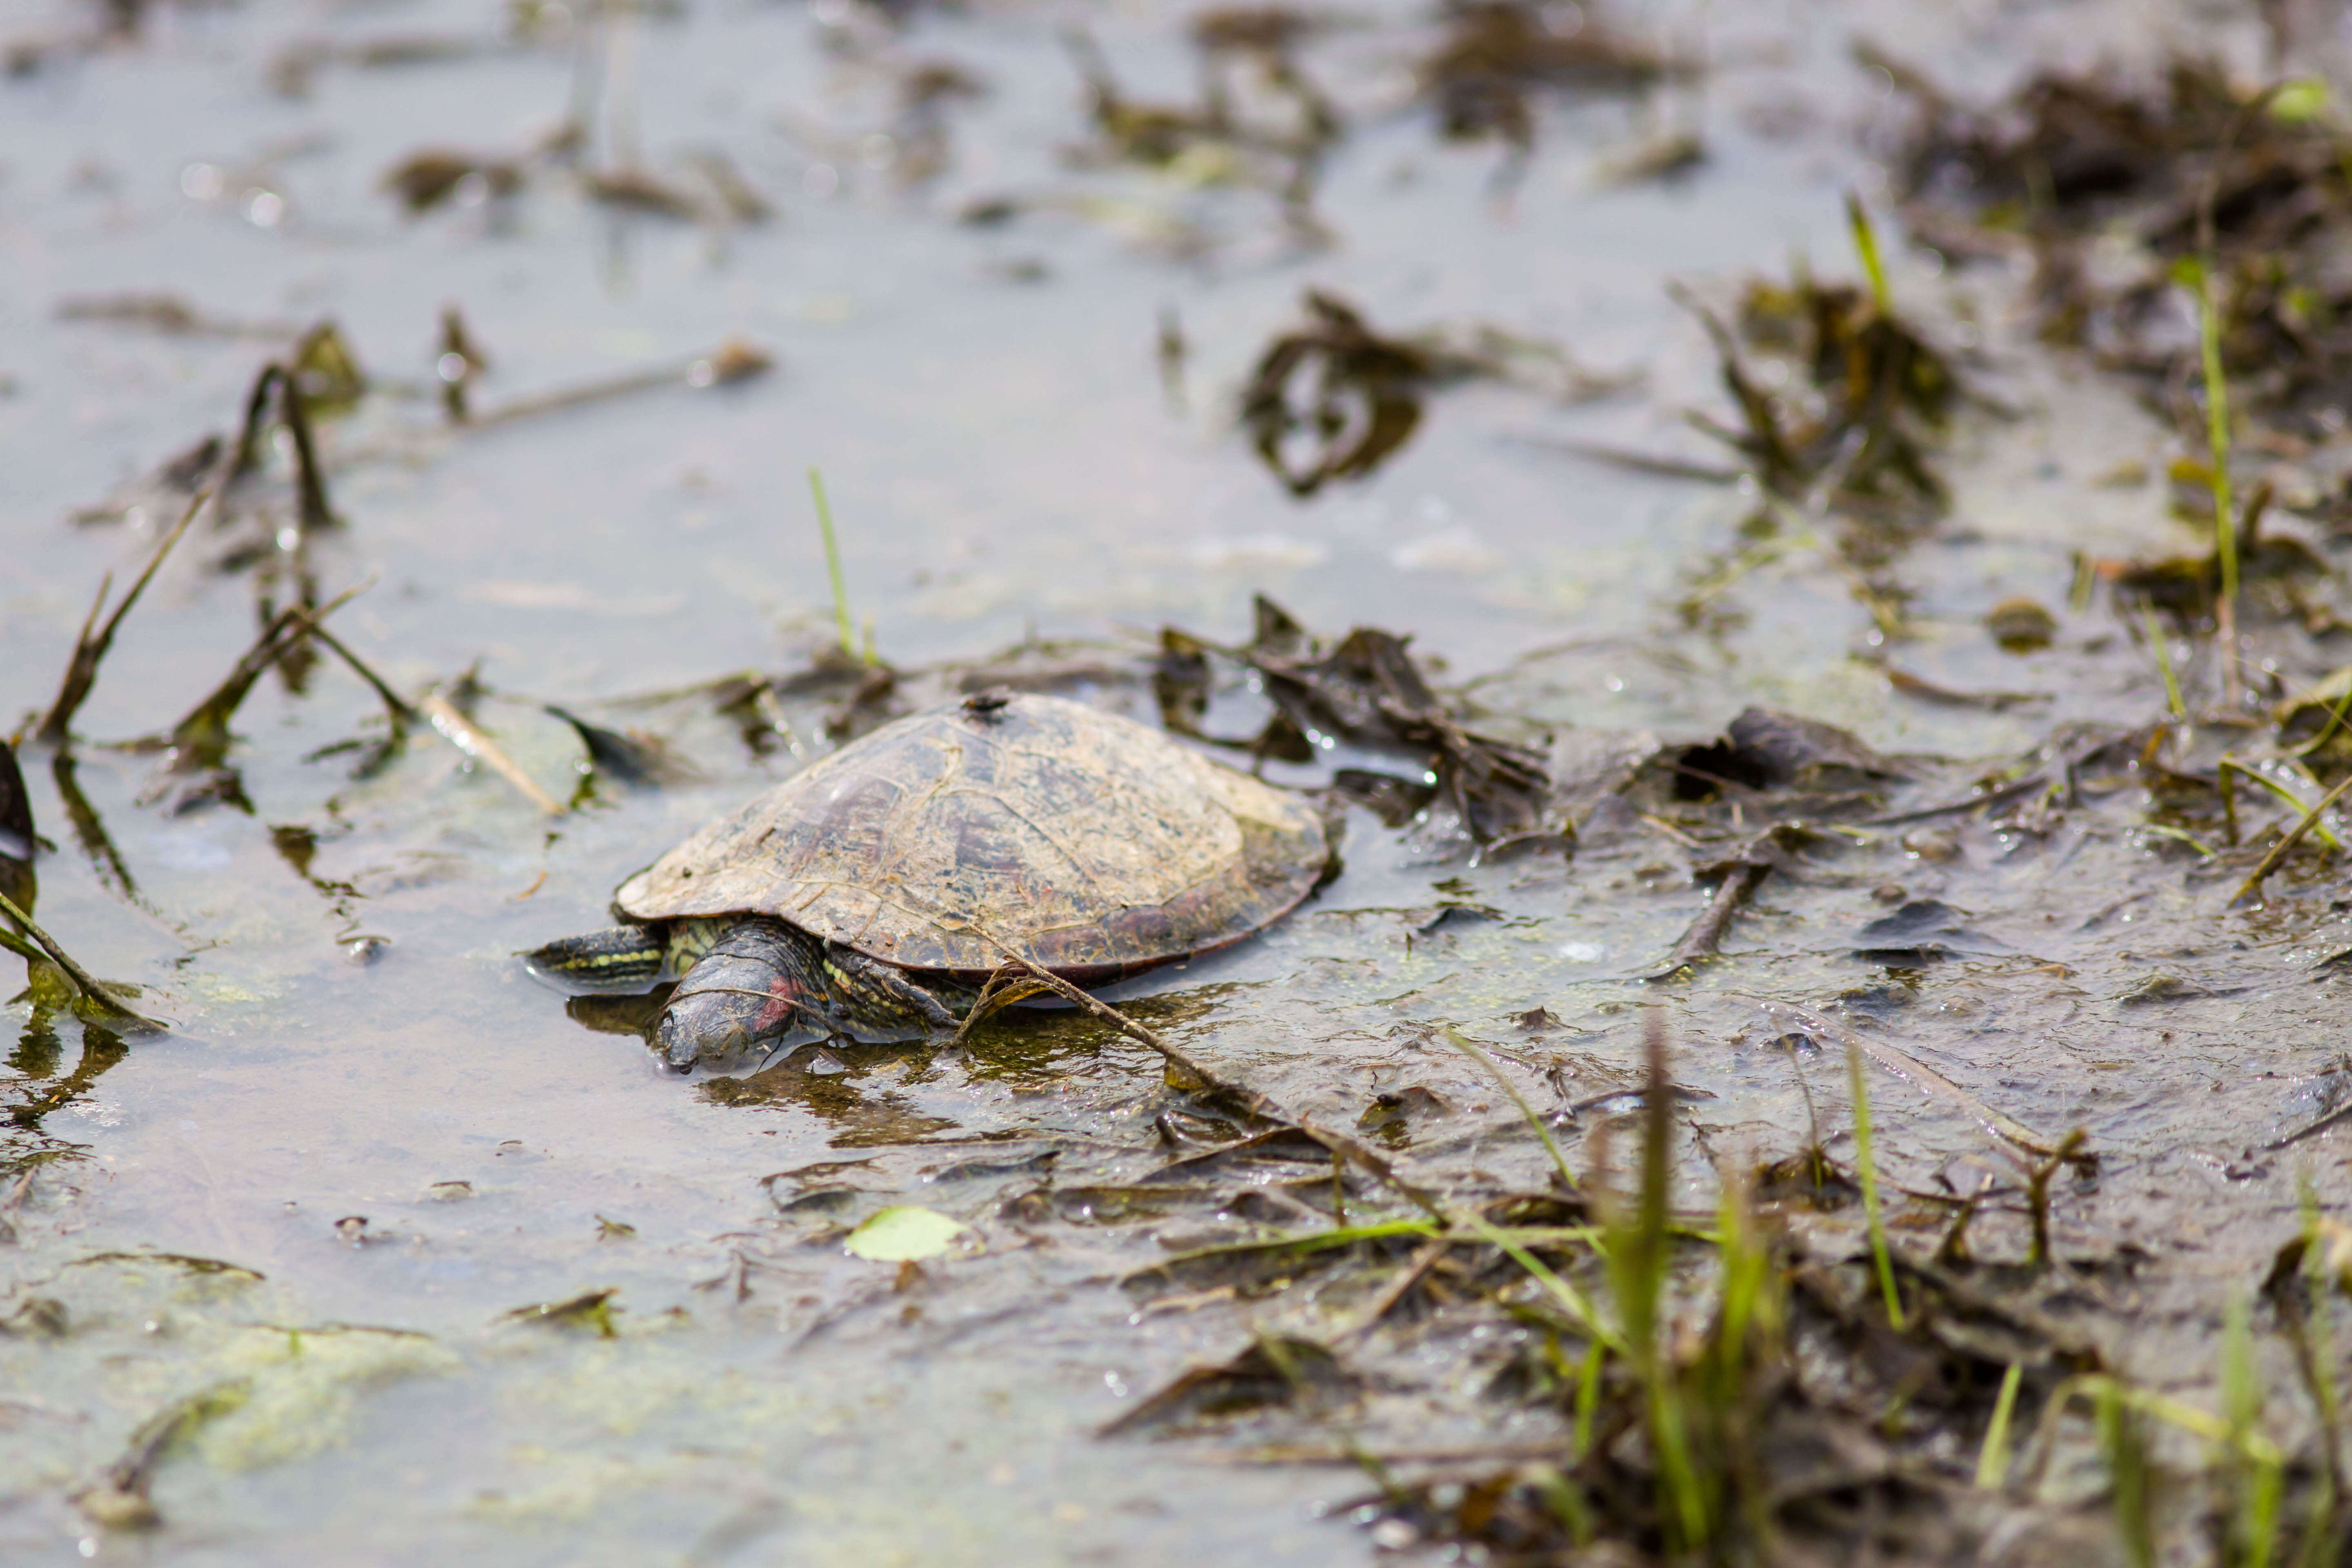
(1867, 1169)
(1588, 1395)
(1468, 1048)
(2126, 1446)
(833, 563)
(2196, 272)
(2279, 851)
(2231, 765)
(2164, 662)
(2327, 730)
(1992, 1459)
(2334, 722)
(1565, 1294)
(1865, 243)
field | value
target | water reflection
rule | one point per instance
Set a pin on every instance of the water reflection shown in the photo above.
(825, 1079)
(89, 831)
(36, 1092)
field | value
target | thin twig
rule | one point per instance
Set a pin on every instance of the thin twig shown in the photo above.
(1415, 1271)
(461, 732)
(1653, 464)
(89, 985)
(1302, 1453)
(1706, 932)
(1917, 1073)
(2335, 1117)
(1203, 1075)
(2280, 851)
(576, 396)
(2005, 793)
(395, 704)
(731, 362)
(1000, 991)
(2334, 722)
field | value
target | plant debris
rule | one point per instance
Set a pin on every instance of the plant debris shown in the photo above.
(434, 176)
(1882, 392)
(1496, 53)
(1368, 691)
(1334, 400)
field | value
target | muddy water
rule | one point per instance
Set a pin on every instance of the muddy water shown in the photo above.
(375, 1164)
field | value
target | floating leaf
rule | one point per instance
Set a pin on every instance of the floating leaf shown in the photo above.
(904, 1234)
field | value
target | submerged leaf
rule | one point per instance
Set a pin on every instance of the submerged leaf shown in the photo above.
(1921, 929)
(631, 757)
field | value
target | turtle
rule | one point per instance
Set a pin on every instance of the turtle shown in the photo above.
(873, 894)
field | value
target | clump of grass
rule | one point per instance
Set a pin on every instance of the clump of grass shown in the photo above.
(1635, 1245)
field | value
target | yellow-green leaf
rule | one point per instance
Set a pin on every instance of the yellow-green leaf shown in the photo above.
(2299, 101)
(904, 1234)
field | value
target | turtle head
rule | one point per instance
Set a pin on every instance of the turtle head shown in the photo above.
(759, 982)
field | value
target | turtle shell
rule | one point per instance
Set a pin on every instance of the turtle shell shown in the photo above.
(1087, 843)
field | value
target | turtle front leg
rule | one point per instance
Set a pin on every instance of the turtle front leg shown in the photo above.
(883, 993)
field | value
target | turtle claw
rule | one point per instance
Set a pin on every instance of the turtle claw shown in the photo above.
(680, 1051)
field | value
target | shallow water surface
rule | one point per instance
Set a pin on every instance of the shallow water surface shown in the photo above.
(320, 1215)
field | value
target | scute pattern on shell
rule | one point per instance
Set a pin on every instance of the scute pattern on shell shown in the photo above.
(1090, 844)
